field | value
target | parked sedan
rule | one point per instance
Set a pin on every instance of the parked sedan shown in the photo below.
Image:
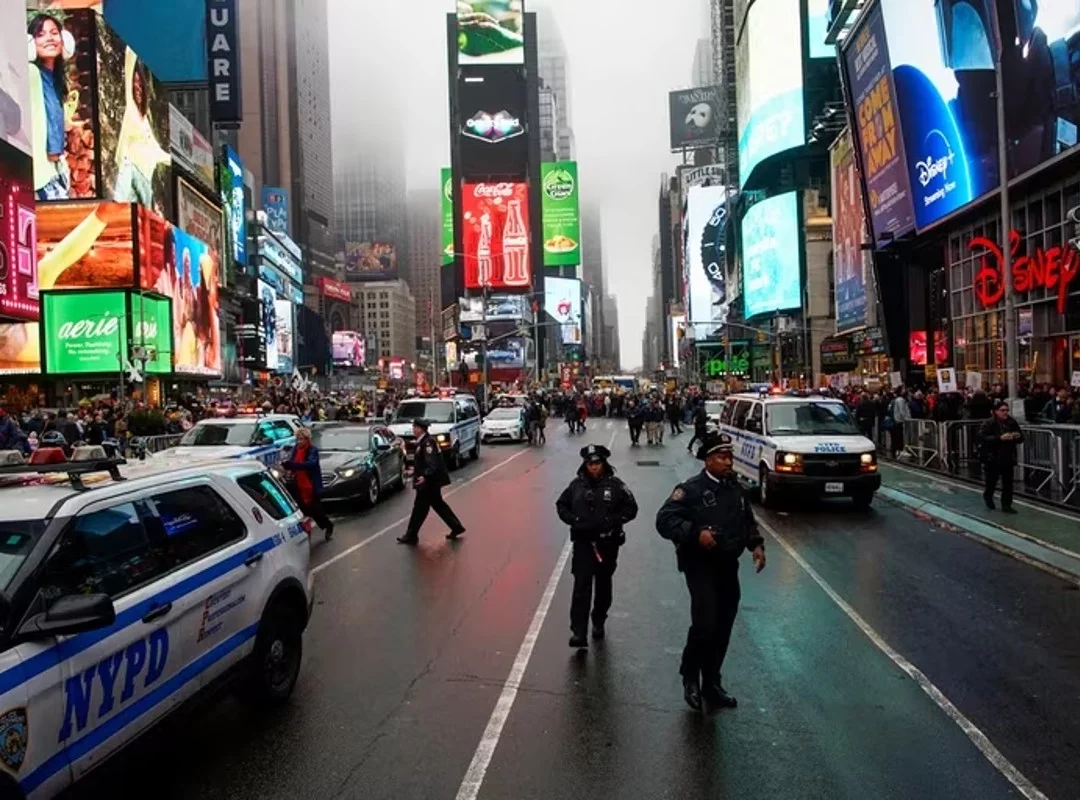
(506, 424)
(359, 462)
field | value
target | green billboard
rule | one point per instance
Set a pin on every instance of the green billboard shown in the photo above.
(151, 327)
(84, 332)
(562, 220)
(447, 217)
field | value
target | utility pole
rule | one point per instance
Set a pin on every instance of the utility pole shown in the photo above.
(434, 350)
(1012, 354)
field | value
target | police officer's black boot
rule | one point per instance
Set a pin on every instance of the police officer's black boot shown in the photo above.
(717, 697)
(578, 640)
(598, 629)
(692, 693)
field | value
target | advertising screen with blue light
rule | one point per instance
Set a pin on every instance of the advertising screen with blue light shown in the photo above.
(771, 256)
(770, 88)
(170, 36)
(232, 196)
(817, 25)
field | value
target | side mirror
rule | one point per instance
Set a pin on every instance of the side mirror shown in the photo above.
(69, 615)
(753, 425)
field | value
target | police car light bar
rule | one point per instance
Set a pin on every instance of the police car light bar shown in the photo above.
(74, 469)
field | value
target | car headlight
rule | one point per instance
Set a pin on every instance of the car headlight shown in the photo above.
(347, 473)
(442, 438)
(868, 462)
(789, 462)
(867, 458)
(791, 459)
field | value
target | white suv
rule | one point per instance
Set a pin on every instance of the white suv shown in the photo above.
(122, 598)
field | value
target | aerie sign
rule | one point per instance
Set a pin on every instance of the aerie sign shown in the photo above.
(1053, 269)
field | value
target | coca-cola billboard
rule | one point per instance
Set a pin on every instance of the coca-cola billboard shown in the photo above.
(495, 235)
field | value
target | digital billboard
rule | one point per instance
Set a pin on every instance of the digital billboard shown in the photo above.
(151, 327)
(694, 117)
(172, 35)
(561, 215)
(770, 84)
(772, 256)
(706, 223)
(20, 348)
(283, 335)
(15, 127)
(347, 349)
(84, 332)
(562, 302)
(447, 249)
(370, 261)
(506, 354)
(195, 306)
(133, 127)
(850, 261)
(251, 344)
(491, 124)
(18, 236)
(945, 96)
(85, 245)
(190, 149)
(491, 31)
(275, 202)
(198, 216)
(268, 323)
(495, 235)
(817, 25)
(504, 307)
(60, 46)
(231, 186)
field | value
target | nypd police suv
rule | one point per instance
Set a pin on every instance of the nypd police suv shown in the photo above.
(455, 426)
(266, 438)
(124, 594)
(786, 444)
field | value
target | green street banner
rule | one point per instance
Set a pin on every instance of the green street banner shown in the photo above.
(84, 332)
(447, 217)
(151, 327)
(562, 220)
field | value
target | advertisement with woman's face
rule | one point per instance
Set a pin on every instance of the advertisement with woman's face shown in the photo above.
(60, 72)
(133, 129)
(195, 302)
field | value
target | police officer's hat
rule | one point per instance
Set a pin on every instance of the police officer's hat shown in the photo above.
(422, 423)
(595, 454)
(715, 443)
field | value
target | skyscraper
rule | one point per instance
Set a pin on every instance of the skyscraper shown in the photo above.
(703, 64)
(369, 195)
(722, 46)
(555, 74)
(421, 270)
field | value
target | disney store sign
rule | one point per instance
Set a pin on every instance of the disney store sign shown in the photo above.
(1053, 269)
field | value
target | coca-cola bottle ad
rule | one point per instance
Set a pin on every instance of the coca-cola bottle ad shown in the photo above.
(496, 235)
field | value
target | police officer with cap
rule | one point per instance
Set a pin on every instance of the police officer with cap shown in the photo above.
(596, 505)
(710, 522)
(430, 475)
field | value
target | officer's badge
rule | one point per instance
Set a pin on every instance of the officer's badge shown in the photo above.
(14, 736)
(678, 494)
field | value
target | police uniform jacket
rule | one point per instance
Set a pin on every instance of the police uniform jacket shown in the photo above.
(596, 510)
(428, 462)
(708, 502)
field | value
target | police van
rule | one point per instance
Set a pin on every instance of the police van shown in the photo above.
(455, 425)
(267, 438)
(124, 591)
(810, 445)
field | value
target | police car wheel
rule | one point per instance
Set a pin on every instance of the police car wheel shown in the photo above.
(276, 659)
(475, 452)
(455, 457)
(765, 494)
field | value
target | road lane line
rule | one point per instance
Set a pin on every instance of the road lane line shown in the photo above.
(977, 737)
(379, 534)
(481, 760)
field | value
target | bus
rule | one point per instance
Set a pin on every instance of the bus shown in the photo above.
(609, 383)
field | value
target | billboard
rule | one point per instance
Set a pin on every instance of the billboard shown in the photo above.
(151, 327)
(251, 344)
(268, 323)
(283, 335)
(495, 235)
(84, 332)
(18, 236)
(20, 348)
(195, 306)
(491, 31)
(817, 25)
(60, 46)
(133, 127)
(14, 79)
(770, 84)
(348, 349)
(561, 215)
(172, 35)
(562, 302)
(694, 117)
(223, 61)
(231, 186)
(850, 261)
(275, 202)
(190, 148)
(772, 256)
(198, 216)
(370, 261)
(85, 246)
(506, 354)
(334, 290)
(491, 123)
(500, 307)
(706, 223)
(945, 96)
(447, 249)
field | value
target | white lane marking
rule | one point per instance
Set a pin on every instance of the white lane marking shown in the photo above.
(378, 534)
(481, 760)
(1016, 501)
(977, 737)
(614, 436)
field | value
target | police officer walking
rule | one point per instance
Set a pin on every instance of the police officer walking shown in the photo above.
(429, 477)
(596, 505)
(710, 522)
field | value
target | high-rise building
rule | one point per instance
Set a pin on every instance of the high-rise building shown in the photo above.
(609, 348)
(703, 64)
(421, 270)
(722, 47)
(388, 318)
(548, 116)
(555, 74)
(369, 196)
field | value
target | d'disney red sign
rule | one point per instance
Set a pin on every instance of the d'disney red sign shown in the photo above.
(1053, 269)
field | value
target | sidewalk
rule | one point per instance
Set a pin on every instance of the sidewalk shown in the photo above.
(1048, 537)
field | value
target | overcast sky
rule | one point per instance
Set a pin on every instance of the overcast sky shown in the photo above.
(389, 76)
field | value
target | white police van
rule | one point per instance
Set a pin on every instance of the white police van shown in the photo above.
(455, 425)
(267, 438)
(121, 598)
(787, 444)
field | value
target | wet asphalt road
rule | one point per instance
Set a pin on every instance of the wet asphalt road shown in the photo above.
(409, 650)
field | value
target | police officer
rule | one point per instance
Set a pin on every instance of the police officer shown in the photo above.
(429, 477)
(710, 521)
(596, 505)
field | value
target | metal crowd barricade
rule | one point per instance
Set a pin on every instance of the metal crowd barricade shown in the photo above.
(1074, 467)
(922, 439)
(155, 444)
(1040, 457)
(961, 447)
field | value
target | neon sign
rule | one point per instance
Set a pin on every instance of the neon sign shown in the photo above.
(1054, 268)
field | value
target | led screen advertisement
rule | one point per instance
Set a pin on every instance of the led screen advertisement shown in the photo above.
(817, 25)
(283, 335)
(849, 259)
(946, 102)
(505, 307)
(173, 35)
(18, 236)
(199, 217)
(491, 32)
(561, 216)
(15, 124)
(505, 354)
(151, 328)
(84, 332)
(347, 349)
(20, 348)
(491, 123)
(770, 109)
(231, 186)
(562, 302)
(85, 246)
(772, 256)
(275, 202)
(694, 116)
(706, 222)
(250, 335)
(447, 249)
(195, 305)
(370, 261)
(268, 323)
(495, 235)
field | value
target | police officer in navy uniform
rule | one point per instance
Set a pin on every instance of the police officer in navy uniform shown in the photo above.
(710, 521)
(596, 505)
(430, 475)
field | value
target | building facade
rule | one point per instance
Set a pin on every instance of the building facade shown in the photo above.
(421, 271)
(387, 312)
(555, 74)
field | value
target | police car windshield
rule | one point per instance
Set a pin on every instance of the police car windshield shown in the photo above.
(714, 407)
(213, 435)
(802, 419)
(420, 409)
(17, 539)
